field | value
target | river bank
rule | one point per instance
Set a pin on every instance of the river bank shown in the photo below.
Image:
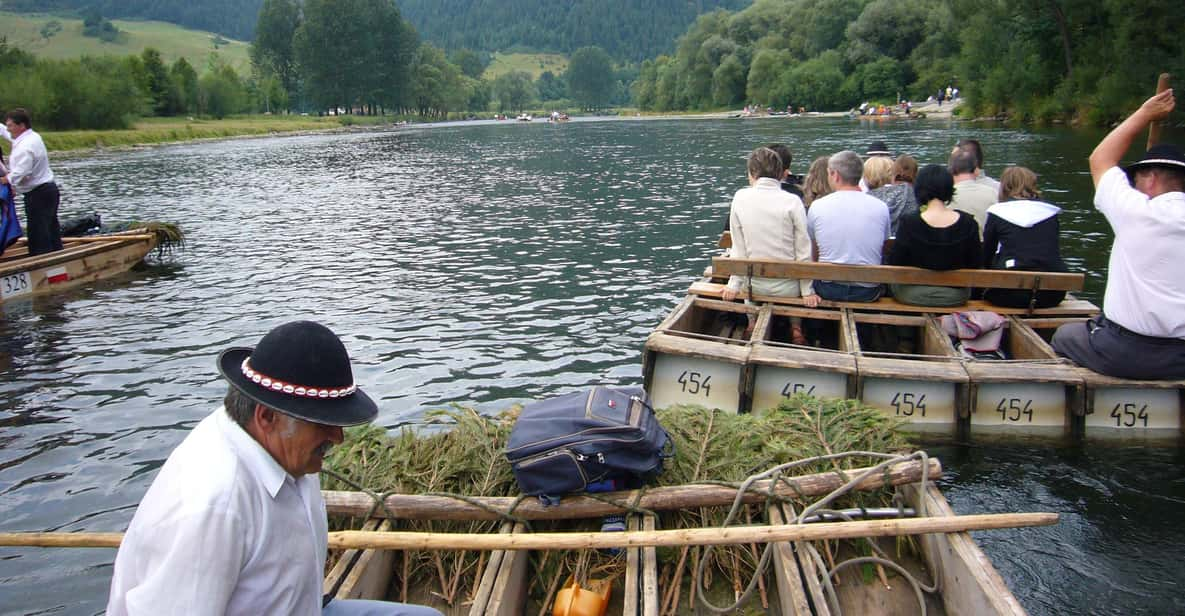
(166, 131)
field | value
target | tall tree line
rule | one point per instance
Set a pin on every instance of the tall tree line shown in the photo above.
(1081, 60)
(110, 92)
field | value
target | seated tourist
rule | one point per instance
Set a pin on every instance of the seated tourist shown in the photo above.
(769, 223)
(878, 176)
(938, 238)
(905, 170)
(971, 196)
(816, 184)
(1021, 233)
(1141, 333)
(848, 227)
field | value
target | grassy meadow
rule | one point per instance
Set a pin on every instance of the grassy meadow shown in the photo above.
(533, 63)
(149, 131)
(24, 32)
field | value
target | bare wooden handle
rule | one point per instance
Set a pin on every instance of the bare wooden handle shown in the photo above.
(1162, 84)
(736, 535)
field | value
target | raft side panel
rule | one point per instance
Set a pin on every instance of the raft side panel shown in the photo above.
(970, 583)
(679, 378)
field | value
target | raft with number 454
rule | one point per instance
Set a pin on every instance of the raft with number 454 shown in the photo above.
(738, 357)
(82, 260)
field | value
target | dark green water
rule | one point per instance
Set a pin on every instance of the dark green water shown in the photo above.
(487, 264)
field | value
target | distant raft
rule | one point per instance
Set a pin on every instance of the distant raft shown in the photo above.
(82, 260)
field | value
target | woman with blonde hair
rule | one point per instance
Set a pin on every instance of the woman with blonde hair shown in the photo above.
(1021, 232)
(816, 185)
(878, 176)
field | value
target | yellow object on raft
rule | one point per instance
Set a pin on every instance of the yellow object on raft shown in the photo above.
(572, 600)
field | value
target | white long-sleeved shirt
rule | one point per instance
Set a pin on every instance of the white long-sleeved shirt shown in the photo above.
(223, 530)
(28, 166)
(769, 223)
(1145, 288)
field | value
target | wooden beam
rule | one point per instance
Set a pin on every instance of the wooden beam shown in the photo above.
(733, 535)
(993, 279)
(412, 506)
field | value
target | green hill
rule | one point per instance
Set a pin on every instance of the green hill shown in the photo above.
(25, 32)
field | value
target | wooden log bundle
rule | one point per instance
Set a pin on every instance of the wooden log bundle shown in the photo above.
(420, 507)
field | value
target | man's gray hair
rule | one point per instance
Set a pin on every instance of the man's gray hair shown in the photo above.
(239, 406)
(848, 165)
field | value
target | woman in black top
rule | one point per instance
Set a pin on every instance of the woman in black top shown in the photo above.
(936, 238)
(1022, 233)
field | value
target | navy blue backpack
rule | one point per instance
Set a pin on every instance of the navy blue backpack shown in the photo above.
(567, 443)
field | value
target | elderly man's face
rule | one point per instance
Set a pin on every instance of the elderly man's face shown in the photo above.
(15, 129)
(300, 446)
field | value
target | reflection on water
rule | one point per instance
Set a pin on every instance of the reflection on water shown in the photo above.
(480, 265)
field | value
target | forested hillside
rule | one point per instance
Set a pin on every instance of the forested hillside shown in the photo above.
(1077, 60)
(626, 29)
(233, 18)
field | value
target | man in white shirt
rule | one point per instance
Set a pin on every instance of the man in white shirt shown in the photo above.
(234, 522)
(971, 196)
(1141, 333)
(29, 175)
(849, 227)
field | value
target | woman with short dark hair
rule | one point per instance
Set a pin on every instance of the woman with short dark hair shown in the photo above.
(937, 238)
(1021, 232)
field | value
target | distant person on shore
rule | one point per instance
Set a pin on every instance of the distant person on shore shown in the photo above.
(770, 223)
(29, 175)
(970, 196)
(848, 227)
(790, 183)
(816, 184)
(234, 522)
(1022, 233)
(980, 175)
(1141, 333)
(938, 238)
(878, 176)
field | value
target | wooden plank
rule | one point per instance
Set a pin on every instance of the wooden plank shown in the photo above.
(1069, 307)
(661, 342)
(509, 596)
(970, 583)
(633, 574)
(424, 507)
(981, 278)
(650, 599)
(1025, 343)
(787, 575)
(371, 574)
(489, 576)
(337, 574)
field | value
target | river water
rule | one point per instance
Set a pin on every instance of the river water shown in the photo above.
(485, 264)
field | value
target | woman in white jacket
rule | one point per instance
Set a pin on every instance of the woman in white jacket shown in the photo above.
(770, 223)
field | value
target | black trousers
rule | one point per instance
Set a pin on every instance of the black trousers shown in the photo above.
(1110, 349)
(41, 213)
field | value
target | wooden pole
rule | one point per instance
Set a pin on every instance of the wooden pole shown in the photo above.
(417, 507)
(1162, 84)
(733, 535)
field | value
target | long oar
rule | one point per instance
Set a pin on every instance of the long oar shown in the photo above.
(736, 535)
(1162, 84)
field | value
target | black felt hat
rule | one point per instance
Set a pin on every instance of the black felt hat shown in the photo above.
(1161, 155)
(301, 369)
(878, 149)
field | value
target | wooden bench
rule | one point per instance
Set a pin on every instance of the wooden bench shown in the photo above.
(723, 267)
